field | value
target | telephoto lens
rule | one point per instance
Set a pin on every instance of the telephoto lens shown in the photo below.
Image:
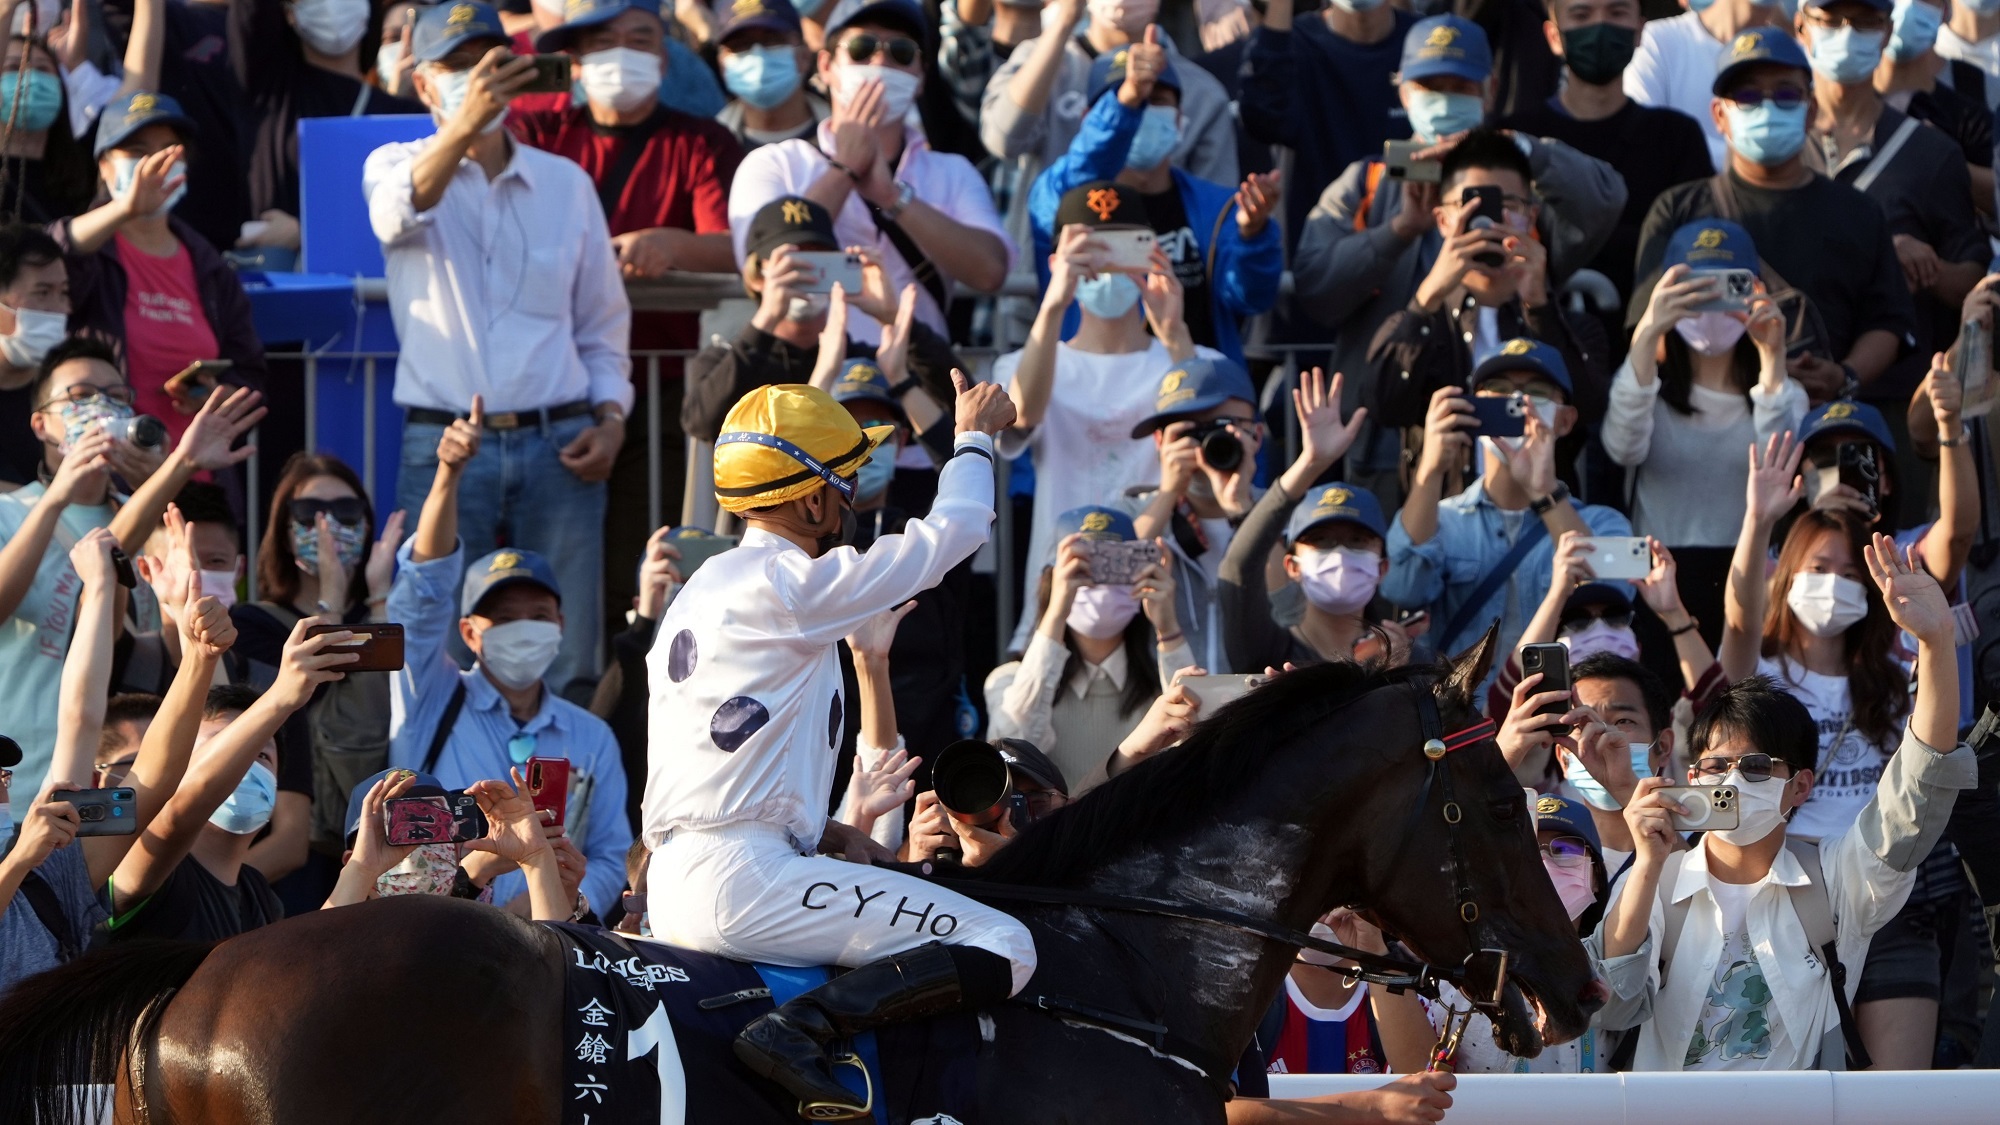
(972, 783)
(142, 430)
(1220, 448)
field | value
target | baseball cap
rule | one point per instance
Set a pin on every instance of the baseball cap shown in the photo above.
(1711, 244)
(133, 112)
(1336, 503)
(426, 786)
(1025, 757)
(789, 220)
(1109, 71)
(1557, 814)
(1593, 594)
(1845, 416)
(1878, 5)
(1192, 387)
(1094, 522)
(769, 15)
(10, 752)
(1101, 203)
(903, 12)
(1523, 354)
(863, 380)
(1758, 45)
(508, 566)
(442, 29)
(580, 14)
(1446, 46)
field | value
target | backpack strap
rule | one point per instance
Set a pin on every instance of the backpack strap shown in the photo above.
(619, 172)
(1881, 160)
(42, 899)
(1490, 582)
(446, 721)
(1815, 910)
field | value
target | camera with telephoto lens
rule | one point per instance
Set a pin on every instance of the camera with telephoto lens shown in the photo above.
(142, 430)
(974, 785)
(1221, 450)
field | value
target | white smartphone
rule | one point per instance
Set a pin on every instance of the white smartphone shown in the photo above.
(1216, 691)
(1620, 556)
(1127, 248)
(831, 266)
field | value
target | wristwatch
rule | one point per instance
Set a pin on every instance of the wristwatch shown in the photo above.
(905, 195)
(1541, 507)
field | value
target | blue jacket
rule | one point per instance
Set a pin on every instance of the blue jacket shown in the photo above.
(1244, 278)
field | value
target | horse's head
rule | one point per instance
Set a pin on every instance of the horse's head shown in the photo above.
(1467, 833)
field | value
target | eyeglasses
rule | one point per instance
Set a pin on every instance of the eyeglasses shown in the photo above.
(1784, 97)
(1867, 21)
(1567, 851)
(348, 510)
(1754, 767)
(80, 393)
(863, 47)
(6, 777)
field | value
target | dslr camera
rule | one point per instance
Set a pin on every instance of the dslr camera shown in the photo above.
(1220, 449)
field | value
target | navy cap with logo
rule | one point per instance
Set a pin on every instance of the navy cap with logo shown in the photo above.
(425, 786)
(445, 28)
(508, 566)
(1593, 594)
(1101, 203)
(133, 112)
(1557, 814)
(1025, 757)
(10, 752)
(1711, 244)
(1202, 383)
(1094, 522)
(1336, 503)
(1446, 47)
(862, 380)
(894, 13)
(789, 220)
(581, 14)
(1773, 45)
(764, 15)
(1523, 354)
(1845, 416)
(1108, 72)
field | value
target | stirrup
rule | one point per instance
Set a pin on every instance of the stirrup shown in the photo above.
(841, 1111)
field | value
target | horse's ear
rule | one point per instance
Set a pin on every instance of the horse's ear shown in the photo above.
(1469, 668)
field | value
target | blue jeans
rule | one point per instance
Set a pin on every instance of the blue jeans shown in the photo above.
(517, 493)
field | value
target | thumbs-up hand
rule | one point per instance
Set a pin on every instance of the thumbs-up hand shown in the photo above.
(460, 441)
(1144, 61)
(981, 407)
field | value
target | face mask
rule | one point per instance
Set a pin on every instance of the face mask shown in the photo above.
(1159, 131)
(1108, 296)
(1699, 6)
(808, 7)
(1572, 886)
(429, 870)
(1434, 114)
(1759, 813)
(1846, 55)
(387, 56)
(1598, 637)
(1826, 604)
(1913, 30)
(331, 27)
(1597, 53)
(450, 86)
(305, 545)
(1128, 16)
(39, 103)
(35, 332)
(80, 418)
(1711, 333)
(1102, 612)
(761, 76)
(248, 807)
(1323, 932)
(126, 168)
(1595, 794)
(1765, 134)
(622, 78)
(517, 653)
(807, 307)
(872, 479)
(1339, 581)
(220, 585)
(899, 87)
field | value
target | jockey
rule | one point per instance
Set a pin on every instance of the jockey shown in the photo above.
(745, 727)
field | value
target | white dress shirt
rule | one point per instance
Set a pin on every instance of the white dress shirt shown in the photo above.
(506, 288)
(943, 180)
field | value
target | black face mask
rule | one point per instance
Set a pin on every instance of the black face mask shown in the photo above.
(842, 535)
(1597, 53)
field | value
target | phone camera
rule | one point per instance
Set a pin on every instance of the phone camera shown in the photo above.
(1220, 448)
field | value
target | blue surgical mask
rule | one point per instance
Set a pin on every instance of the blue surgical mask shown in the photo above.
(1846, 55)
(248, 807)
(1587, 787)
(1765, 134)
(1358, 5)
(128, 169)
(1434, 114)
(1108, 296)
(39, 104)
(762, 76)
(1159, 131)
(1912, 31)
(872, 478)
(1699, 6)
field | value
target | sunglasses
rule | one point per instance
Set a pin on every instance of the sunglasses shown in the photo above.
(862, 47)
(81, 393)
(1567, 851)
(1754, 767)
(1784, 97)
(348, 510)
(1616, 618)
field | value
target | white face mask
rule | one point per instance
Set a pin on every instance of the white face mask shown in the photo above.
(387, 56)
(1826, 604)
(899, 87)
(1596, 637)
(1341, 580)
(621, 77)
(517, 653)
(807, 307)
(1128, 16)
(331, 27)
(1759, 809)
(1102, 612)
(220, 585)
(35, 332)
(449, 87)
(1711, 333)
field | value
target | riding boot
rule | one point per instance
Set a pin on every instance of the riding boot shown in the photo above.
(792, 1046)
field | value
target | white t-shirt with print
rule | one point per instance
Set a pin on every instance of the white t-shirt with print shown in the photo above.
(1735, 1030)
(1850, 765)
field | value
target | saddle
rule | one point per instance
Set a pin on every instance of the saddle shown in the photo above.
(647, 1029)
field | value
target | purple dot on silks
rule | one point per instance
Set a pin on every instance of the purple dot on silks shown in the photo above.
(833, 723)
(735, 721)
(682, 656)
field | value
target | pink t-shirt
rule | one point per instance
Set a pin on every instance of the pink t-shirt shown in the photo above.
(165, 328)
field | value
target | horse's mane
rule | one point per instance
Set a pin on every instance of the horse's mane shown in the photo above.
(1181, 786)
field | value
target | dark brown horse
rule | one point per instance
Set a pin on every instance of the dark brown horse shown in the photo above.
(1309, 793)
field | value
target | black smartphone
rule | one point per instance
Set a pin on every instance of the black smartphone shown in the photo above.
(121, 565)
(102, 812)
(552, 75)
(1552, 661)
(1488, 205)
(468, 822)
(1501, 416)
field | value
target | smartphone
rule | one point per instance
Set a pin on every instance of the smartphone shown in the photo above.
(417, 820)
(1552, 661)
(121, 565)
(1400, 159)
(1620, 556)
(1118, 564)
(548, 786)
(198, 378)
(1488, 205)
(380, 645)
(102, 812)
(695, 552)
(832, 266)
(1733, 293)
(1974, 364)
(1218, 691)
(552, 75)
(1709, 807)
(468, 820)
(1501, 416)
(1852, 464)
(1413, 618)
(1127, 248)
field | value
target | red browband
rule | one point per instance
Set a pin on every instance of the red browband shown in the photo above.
(1477, 732)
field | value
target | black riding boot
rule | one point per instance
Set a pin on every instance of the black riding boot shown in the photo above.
(792, 1045)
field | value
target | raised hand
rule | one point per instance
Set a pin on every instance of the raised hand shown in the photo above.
(1659, 589)
(459, 443)
(871, 639)
(494, 81)
(84, 470)
(1947, 394)
(332, 571)
(171, 574)
(91, 558)
(1144, 61)
(1154, 584)
(206, 443)
(1674, 298)
(882, 789)
(1775, 484)
(1570, 566)
(1075, 259)
(513, 827)
(832, 341)
(981, 407)
(1448, 427)
(152, 184)
(1916, 603)
(306, 662)
(1532, 463)
(372, 851)
(381, 569)
(1255, 202)
(1524, 734)
(657, 574)
(1604, 750)
(892, 350)
(1180, 458)
(1323, 436)
(1072, 573)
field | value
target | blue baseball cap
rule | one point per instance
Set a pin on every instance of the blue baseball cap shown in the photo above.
(580, 14)
(903, 12)
(1109, 71)
(1772, 45)
(1711, 244)
(1197, 385)
(1845, 416)
(1558, 814)
(133, 112)
(769, 15)
(1878, 5)
(1446, 46)
(1524, 354)
(1094, 522)
(426, 786)
(443, 28)
(508, 566)
(863, 380)
(1336, 503)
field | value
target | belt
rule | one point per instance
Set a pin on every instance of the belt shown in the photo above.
(512, 420)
